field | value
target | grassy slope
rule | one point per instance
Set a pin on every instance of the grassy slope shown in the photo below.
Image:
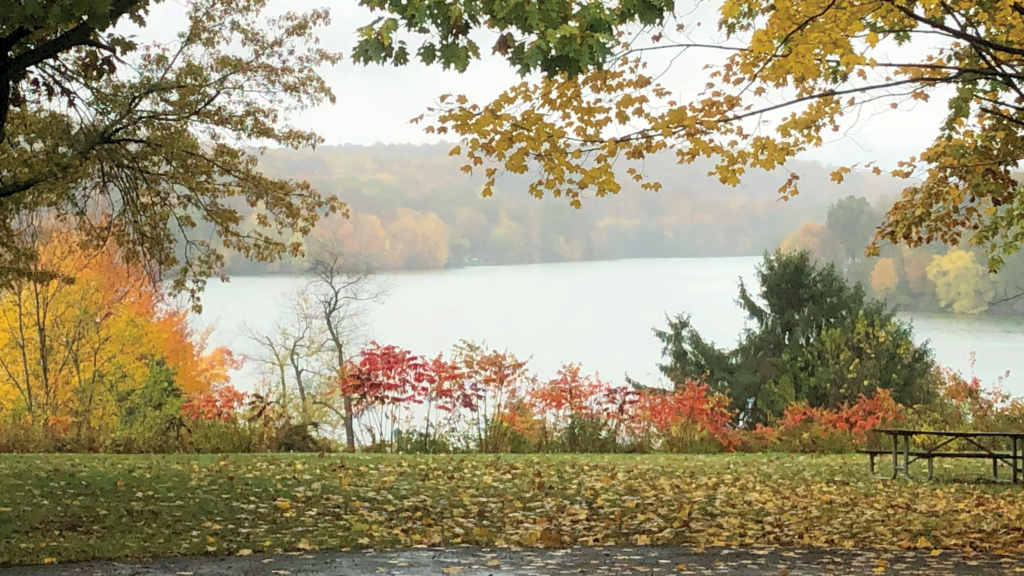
(76, 507)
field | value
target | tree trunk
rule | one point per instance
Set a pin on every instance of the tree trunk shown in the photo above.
(339, 347)
(303, 404)
(350, 430)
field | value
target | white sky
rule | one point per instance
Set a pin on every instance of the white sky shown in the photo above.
(375, 104)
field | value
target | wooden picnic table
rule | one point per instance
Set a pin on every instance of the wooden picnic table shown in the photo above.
(1014, 458)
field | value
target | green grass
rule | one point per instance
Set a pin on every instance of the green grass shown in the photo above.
(79, 507)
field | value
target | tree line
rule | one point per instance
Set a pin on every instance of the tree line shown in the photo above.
(934, 277)
(411, 208)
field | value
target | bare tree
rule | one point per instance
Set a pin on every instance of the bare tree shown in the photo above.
(292, 354)
(307, 351)
(341, 291)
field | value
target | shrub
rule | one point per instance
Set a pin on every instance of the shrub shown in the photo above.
(966, 404)
(803, 428)
(219, 437)
(682, 419)
(20, 433)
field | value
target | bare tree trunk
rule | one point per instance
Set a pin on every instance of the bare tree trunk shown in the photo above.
(340, 290)
(303, 403)
(44, 353)
(350, 429)
(331, 306)
(24, 352)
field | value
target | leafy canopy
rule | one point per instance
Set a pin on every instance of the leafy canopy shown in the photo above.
(147, 145)
(553, 37)
(791, 73)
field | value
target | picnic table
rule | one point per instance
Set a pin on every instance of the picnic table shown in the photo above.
(1014, 458)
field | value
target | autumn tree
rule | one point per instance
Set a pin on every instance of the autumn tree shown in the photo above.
(146, 144)
(884, 278)
(961, 283)
(816, 239)
(781, 77)
(341, 290)
(501, 379)
(852, 221)
(417, 240)
(381, 383)
(361, 238)
(81, 332)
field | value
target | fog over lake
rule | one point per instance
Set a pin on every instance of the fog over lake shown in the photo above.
(599, 314)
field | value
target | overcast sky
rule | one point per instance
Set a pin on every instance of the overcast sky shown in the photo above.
(375, 104)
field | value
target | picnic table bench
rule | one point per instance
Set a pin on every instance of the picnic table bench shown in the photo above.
(1014, 458)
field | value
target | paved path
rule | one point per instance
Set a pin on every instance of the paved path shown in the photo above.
(591, 561)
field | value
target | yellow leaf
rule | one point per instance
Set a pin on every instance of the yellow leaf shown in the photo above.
(49, 560)
(244, 552)
(452, 570)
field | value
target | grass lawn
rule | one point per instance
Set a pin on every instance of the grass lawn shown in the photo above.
(78, 507)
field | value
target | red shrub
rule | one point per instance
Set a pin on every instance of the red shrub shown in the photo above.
(568, 394)
(385, 376)
(221, 403)
(692, 405)
(866, 414)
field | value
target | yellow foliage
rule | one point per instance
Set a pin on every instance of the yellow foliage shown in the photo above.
(360, 238)
(71, 340)
(883, 277)
(814, 238)
(416, 240)
(960, 282)
(791, 73)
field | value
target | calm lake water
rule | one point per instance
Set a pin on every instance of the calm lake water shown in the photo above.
(599, 314)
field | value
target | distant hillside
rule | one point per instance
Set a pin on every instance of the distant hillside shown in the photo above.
(413, 208)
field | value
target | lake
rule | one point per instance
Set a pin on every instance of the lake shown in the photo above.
(598, 314)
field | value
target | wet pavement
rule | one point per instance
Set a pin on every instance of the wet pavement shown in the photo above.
(470, 561)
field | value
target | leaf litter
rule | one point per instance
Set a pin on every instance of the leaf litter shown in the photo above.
(62, 508)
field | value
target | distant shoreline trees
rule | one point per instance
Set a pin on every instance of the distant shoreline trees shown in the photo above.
(934, 277)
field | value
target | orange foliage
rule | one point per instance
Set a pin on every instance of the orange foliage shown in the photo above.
(883, 276)
(866, 414)
(70, 342)
(814, 238)
(221, 404)
(692, 405)
(569, 393)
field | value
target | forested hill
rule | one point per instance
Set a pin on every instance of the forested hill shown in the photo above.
(412, 207)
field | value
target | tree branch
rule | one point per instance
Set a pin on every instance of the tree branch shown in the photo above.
(959, 34)
(77, 36)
